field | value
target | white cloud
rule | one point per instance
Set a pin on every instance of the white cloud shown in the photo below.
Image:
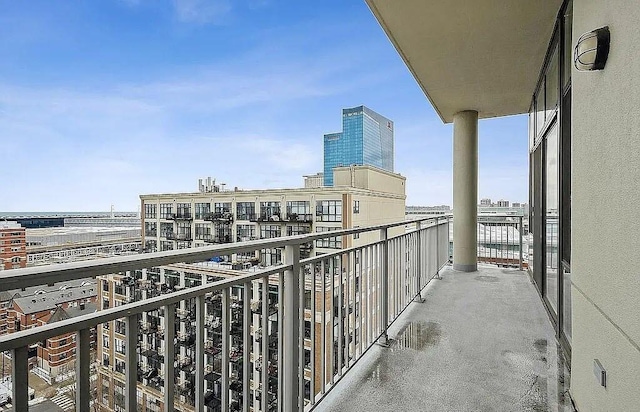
(202, 11)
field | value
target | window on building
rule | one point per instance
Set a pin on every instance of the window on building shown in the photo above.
(119, 366)
(246, 232)
(184, 230)
(329, 242)
(150, 210)
(203, 231)
(150, 228)
(222, 207)
(270, 210)
(202, 210)
(245, 210)
(329, 210)
(356, 206)
(298, 229)
(183, 210)
(120, 346)
(151, 246)
(299, 210)
(270, 231)
(166, 210)
(356, 235)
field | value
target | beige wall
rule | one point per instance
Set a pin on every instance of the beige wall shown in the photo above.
(371, 178)
(605, 224)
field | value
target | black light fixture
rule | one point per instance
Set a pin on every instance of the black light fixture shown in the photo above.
(592, 50)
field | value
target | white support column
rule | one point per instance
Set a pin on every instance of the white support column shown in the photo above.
(465, 190)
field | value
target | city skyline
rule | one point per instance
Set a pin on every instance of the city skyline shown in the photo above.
(99, 103)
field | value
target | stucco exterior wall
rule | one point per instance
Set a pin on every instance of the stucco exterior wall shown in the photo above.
(605, 226)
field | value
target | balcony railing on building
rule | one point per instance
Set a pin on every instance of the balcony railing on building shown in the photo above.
(224, 217)
(186, 237)
(267, 318)
(180, 216)
(301, 218)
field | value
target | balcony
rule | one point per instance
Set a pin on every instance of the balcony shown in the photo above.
(300, 218)
(479, 341)
(474, 337)
(270, 217)
(216, 239)
(180, 216)
(223, 217)
(186, 237)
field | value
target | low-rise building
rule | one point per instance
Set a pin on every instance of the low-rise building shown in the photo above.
(33, 307)
(13, 251)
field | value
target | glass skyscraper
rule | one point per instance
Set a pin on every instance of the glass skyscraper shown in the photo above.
(366, 139)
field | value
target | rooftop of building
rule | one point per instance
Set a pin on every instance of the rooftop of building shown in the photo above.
(56, 231)
(288, 191)
(34, 290)
(8, 224)
(61, 313)
(43, 300)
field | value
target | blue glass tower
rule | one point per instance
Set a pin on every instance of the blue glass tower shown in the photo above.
(366, 139)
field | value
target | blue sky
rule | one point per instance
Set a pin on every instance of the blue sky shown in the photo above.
(101, 101)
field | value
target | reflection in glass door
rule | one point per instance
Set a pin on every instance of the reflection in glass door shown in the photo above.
(536, 217)
(551, 218)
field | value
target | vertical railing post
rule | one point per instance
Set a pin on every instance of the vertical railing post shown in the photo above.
(83, 363)
(200, 387)
(131, 363)
(384, 280)
(291, 342)
(437, 276)
(20, 378)
(449, 249)
(246, 345)
(418, 263)
(169, 356)
(264, 378)
(521, 255)
(226, 322)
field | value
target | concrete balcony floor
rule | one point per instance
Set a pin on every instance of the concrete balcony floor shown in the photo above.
(481, 341)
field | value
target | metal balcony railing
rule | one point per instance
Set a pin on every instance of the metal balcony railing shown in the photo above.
(301, 218)
(380, 278)
(179, 236)
(180, 216)
(225, 217)
(502, 240)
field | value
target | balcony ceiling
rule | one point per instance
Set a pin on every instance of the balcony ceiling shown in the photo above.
(482, 55)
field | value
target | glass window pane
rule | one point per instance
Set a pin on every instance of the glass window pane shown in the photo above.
(551, 217)
(551, 93)
(532, 128)
(567, 305)
(540, 108)
(568, 49)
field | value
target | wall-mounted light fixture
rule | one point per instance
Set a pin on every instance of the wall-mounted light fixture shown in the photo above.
(592, 50)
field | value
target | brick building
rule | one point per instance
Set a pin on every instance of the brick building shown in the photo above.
(35, 307)
(13, 250)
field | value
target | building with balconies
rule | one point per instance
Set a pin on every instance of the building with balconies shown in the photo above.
(361, 196)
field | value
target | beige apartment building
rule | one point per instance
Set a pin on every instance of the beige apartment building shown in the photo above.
(361, 196)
